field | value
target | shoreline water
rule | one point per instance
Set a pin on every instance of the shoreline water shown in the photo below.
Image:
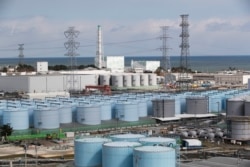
(196, 63)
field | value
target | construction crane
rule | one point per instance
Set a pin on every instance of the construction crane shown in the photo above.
(105, 89)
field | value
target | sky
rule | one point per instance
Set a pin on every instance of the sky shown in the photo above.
(129, 28)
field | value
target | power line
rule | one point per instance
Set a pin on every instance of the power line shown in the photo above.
(110, 43)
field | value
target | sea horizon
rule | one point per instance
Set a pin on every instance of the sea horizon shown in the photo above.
(203, 63)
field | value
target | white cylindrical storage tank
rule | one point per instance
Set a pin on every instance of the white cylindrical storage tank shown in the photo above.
(152, 141)
(152, 81)
(142, 108)
(89, 114)
(104, 79)
(117, 80)
(144, 79)
(177, 105)
(88, 152)
(106, 111)
(136, 80)
(215, 104)
(118, 154)
(235, 107)
(30, 107)
(73, 105)
(127, 111)
(127, 80)
(1, 115)
(46, 118)
(17, 118)
(150, 156)
(127, 137)
(65, 112)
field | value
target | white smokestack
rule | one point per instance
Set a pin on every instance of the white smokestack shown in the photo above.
(99, 53)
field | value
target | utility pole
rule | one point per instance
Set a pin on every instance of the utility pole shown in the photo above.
(20, 53)
(218, 110)
(25, 147)
(71, 45)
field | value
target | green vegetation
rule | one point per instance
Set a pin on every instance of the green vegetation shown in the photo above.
(58, 67)
(24, 68)
(160, 71)
(181, 69)
(65, 68)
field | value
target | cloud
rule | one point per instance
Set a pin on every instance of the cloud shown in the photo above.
(245, 27)
(208, 36)
(118, 28)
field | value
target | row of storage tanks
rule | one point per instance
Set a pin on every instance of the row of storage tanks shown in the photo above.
(205, 133)
(238, 113)
(125, 150)
(129, 80)
(170, 105)
(92, 110)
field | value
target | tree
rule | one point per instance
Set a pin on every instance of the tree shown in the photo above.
(6, 130)
(25, 67)
(4, 69)
(58, 67)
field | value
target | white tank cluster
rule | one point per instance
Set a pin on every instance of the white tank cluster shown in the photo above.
(204, 133)
(125, 150)
(128, 80)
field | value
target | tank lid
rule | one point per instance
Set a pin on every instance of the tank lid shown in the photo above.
(235, 99)
(88, 105)
(126, 103)
(122, 144)
(15, 109)
(156, 139)
(196, 97)
(128, 136)
(154, 149)
(92, 140)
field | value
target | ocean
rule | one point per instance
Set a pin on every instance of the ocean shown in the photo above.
(196, 63)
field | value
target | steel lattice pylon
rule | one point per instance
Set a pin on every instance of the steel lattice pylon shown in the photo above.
(184, 66)
(71, 45)
(165, 63)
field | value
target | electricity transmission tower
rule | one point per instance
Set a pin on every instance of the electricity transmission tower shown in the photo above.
(165, 63)
(20, 53)
(71, 45)
(183, 74)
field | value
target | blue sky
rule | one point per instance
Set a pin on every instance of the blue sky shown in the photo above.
(130, 28)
